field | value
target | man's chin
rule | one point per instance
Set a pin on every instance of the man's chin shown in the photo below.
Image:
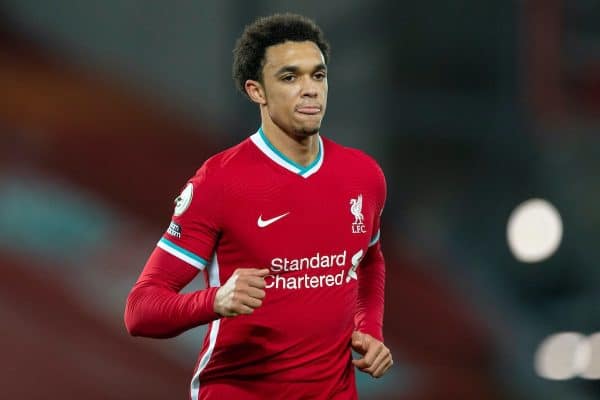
(308, 131)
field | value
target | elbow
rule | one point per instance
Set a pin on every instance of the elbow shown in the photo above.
(137, 327)
(133, 322)
(133, 328)
(140, 328)
(140, 323)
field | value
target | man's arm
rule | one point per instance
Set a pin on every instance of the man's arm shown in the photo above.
(371, 283)
(155, 308)
(371, 272)
(367, 339)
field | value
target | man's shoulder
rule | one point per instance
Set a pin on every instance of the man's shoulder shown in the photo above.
(353, 157)
(361, 166)
(226, 161)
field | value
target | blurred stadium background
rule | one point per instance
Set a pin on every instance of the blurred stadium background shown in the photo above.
(471, 108)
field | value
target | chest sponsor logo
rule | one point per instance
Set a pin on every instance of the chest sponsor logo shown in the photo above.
(316, 271)
(358, 225)
(266, 222)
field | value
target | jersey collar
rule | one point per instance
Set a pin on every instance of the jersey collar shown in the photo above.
(264, 145)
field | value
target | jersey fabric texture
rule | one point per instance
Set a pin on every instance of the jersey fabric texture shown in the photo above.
(316, 228)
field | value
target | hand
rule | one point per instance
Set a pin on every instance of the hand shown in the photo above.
(376, 359)
(242, 293)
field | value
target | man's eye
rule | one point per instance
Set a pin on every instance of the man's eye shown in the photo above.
(288, 78)
(320, 76)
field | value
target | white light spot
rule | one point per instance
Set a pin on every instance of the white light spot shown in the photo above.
(561, 356)
(534, 231)
(582, 356)
(592, 370)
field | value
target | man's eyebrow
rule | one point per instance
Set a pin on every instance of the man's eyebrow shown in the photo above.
(321, 67)
(294, 69)
(287, 68)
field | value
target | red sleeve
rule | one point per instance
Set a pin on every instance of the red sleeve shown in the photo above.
(155, 308)
(371, 274)
(196, 223)
(371, 282)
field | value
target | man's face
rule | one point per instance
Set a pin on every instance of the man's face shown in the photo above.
(295, 84)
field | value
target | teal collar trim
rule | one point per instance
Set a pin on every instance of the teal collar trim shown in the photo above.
(263, 143)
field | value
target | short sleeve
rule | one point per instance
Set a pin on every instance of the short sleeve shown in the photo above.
(195, 226)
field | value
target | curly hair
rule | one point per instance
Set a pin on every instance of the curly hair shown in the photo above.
(250, 48)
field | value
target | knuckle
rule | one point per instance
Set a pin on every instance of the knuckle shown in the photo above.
(241, 279)
(235, 296)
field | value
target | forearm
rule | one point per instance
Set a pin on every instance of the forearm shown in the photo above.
(155, 308)
(371, 284)
(159, 313)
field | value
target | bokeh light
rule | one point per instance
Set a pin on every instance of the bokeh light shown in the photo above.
(534, 231)
(560, 356)
(592, 370)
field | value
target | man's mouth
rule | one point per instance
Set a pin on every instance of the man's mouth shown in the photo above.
(310, 110)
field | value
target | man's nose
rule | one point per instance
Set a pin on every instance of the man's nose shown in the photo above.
(310, 88)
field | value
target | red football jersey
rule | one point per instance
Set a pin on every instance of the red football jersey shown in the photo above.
(252, 207)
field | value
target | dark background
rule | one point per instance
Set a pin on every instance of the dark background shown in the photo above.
(471, 107)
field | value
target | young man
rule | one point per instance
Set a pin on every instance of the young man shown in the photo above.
(285, 227)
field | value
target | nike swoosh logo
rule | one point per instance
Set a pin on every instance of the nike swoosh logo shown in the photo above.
(266, 222)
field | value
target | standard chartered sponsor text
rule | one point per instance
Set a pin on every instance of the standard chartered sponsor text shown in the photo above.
(284, 272)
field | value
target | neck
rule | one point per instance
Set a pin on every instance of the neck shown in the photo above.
(303, 150)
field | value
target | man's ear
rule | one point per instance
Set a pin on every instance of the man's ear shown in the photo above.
(255, 91)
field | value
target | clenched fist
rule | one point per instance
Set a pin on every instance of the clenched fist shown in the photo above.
(242, 293)
(376, 359)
